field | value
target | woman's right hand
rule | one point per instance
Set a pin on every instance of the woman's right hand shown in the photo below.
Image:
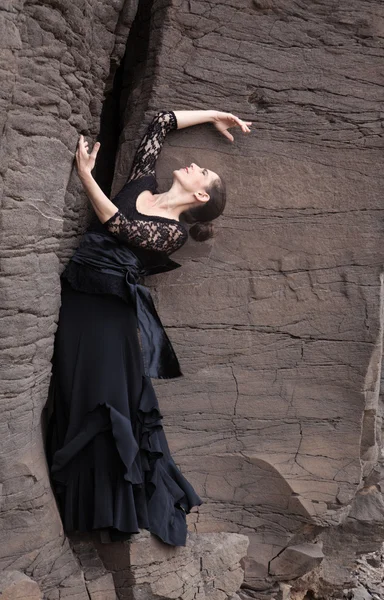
(222, 121)
(85, 162)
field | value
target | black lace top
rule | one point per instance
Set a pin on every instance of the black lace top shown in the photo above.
(152, 238)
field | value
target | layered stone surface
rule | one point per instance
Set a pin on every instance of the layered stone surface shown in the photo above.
(278, 320)
(54, 61)
(208, 567)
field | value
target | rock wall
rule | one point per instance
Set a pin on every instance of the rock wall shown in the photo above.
(55, 59)
(207, 568)
(278, 321)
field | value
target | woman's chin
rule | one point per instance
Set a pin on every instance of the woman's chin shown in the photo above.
(177, 176)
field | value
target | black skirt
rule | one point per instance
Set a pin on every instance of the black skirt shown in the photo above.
(108, 456)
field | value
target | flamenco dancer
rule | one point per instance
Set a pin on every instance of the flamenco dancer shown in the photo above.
(109, 461)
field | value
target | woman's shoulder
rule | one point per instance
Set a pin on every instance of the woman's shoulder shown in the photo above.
(148, 181)
(126, 197)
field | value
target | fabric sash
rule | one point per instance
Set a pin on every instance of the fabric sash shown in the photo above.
(105, 254)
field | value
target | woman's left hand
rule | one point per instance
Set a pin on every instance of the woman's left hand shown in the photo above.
(223, 121)
(85, 162)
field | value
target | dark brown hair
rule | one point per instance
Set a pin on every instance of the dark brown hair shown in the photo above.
(202, 216)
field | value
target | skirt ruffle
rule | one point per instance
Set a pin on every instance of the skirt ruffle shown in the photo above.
(110, 463)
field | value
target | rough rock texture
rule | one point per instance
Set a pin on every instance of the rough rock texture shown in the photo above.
(364, 580)
(99, 581)
(369, 574)
(54, 61)
(278, 321)
(294, 561)
(208, 567)
(17, 586)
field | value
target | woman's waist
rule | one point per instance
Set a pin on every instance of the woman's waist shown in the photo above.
(103, 253)
(85, 279)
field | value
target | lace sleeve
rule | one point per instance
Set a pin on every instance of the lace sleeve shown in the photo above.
(151, 144)
(153, 235)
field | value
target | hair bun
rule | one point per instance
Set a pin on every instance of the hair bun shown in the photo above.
(201, 231)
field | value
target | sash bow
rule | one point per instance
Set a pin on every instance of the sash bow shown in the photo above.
(105, 254)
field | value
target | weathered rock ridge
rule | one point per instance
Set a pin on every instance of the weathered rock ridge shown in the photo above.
(277, 321)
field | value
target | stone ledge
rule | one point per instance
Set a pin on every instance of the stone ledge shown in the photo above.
(207, 567)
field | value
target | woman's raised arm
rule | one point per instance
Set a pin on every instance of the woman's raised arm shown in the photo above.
(221, 120)
(157, 235)
(149, 149)
(164, 121)
(85, 162)
(144, 162)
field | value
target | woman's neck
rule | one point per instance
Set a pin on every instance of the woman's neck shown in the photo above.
(172, 202)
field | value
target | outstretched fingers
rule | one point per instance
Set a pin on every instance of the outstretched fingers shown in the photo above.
(83, 148)
(85, 161)
(95, 150)
(228, 135)
(244, 125)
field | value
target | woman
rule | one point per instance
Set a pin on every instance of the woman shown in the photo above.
(109, 461)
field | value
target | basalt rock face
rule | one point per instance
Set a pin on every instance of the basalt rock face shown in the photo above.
(55, 60)
(277, 321)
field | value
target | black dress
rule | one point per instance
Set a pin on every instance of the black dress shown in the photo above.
(108, 456)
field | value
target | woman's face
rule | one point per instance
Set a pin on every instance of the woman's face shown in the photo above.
(194, 178)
